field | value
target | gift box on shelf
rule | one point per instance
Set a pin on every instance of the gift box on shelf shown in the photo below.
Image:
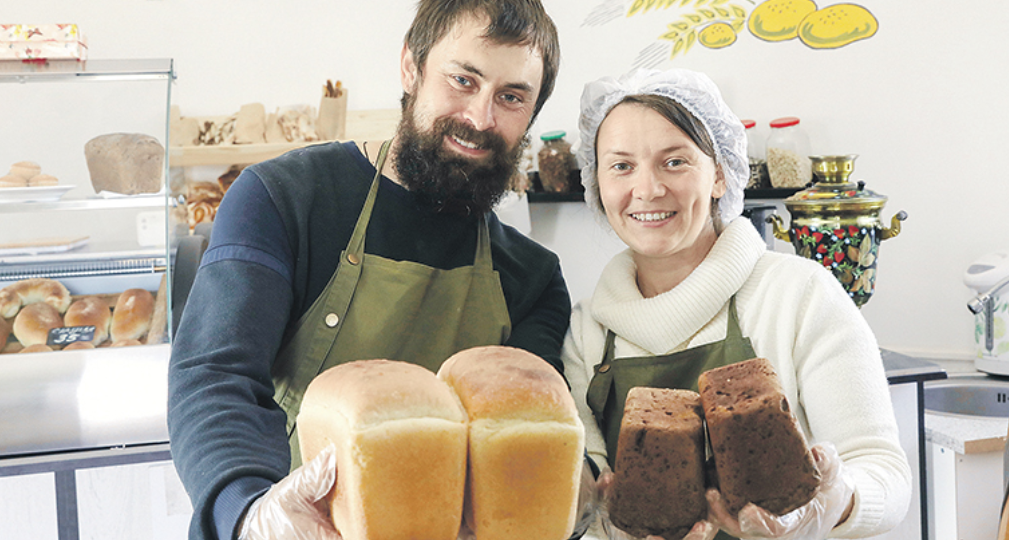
(42, 42)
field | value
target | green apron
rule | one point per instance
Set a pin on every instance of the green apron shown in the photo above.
(377, 308)
(613, 379)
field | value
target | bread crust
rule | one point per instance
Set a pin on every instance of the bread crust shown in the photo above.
(90, 311)
(400, 437)
(658, 484)
(526, 444)
(33, 323)
(29, 291)
(131, 318)
(760, 453)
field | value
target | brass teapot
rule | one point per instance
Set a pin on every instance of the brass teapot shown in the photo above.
(836, 223)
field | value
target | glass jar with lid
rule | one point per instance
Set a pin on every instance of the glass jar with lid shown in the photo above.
(556, 161)
(788, 150)
(758, 162)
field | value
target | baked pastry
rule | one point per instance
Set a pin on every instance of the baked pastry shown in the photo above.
(43, 180)
(33, 323)
(13, 181)
(760, 453)
(25, 169)
(126, 343)
(90, 311)
(5, 332)
(400, 439)
(79, 345)
(658, 483)
(127, 163)
(131, 318)
(38, 347)
(30, 291)
(525, 444)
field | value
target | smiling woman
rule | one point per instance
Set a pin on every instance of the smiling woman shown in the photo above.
(697, 290)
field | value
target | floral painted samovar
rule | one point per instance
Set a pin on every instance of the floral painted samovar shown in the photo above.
(836, 223)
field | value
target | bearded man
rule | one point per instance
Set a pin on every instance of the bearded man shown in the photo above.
(334, 248)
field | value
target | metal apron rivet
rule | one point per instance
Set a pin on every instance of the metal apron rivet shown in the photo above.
(332, 320)
(604, 369)
(352, 259)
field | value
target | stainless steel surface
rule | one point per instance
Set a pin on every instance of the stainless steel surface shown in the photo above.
(973, 394)
(71, 400)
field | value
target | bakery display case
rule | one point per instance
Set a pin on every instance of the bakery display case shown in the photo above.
(87, 229)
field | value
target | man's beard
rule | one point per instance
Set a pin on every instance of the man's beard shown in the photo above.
(445, 180)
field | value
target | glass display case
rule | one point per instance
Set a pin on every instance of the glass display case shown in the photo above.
(86, 132)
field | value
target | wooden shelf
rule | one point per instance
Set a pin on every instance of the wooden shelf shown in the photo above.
(239, 154)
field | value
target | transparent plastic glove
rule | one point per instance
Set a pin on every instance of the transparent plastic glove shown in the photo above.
(813, 521)
(702, 530)
(294, 508)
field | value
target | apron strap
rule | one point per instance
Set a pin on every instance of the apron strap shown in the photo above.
(356, 244)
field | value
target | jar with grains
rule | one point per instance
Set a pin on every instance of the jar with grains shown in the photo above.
(758, 163)
(788, 152)
(556, 161)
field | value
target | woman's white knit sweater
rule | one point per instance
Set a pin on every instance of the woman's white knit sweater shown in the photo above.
(797, 316)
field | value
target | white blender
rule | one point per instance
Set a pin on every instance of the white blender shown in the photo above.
(988, 276)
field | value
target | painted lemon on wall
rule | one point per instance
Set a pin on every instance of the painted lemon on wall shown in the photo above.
(717, 35)
(836, 26)
(778, 20)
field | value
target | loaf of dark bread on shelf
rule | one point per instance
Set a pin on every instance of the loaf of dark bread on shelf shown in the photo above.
(759, 451)
(400, 437)
(526, 444)
(658, 483)
(127, 163)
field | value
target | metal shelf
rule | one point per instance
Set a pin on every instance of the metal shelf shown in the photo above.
(95, 70)
(96, 203)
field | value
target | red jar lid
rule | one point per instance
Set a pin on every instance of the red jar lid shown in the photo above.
(748, 123)
(784, 122)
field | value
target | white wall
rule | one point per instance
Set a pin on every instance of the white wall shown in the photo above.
(922, 102)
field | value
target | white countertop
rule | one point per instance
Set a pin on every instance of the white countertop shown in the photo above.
(966, 434)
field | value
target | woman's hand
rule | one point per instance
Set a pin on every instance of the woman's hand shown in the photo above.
(813, 521)
(294, 508)
(702, 530)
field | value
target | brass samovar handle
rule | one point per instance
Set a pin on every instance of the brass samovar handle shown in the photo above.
(780, 232)
(894, 228)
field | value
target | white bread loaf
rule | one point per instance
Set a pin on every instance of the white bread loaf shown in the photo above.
(400, 437)
(525, 444)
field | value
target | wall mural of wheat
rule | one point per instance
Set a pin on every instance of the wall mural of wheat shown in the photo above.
(716, 24)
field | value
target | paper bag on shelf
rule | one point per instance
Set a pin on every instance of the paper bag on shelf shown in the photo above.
(332, 122)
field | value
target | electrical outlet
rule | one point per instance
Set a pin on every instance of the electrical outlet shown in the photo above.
(151, 229)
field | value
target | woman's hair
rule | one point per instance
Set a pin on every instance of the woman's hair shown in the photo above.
(680, 117)
(512, 22)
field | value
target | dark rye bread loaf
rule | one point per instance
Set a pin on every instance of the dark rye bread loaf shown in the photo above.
(760, 453)
(658, 485)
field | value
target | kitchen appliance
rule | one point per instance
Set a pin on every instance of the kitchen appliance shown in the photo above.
(989, 278)
(836, 223)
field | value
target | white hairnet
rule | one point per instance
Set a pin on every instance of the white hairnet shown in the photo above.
(695, 92)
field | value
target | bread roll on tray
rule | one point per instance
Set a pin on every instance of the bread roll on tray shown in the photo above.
(760, 453)
(658, 483)
(38, 347)
(30, 291)
(33, 323)
(525, 444)
(5, 331)
(131, 318)
(400, 436)
(90, 311)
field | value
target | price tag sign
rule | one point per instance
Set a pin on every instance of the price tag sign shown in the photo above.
(69, 334)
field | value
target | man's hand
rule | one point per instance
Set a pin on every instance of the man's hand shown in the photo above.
(294, 508)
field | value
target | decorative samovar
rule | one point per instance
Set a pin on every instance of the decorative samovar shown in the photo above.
(836, 223)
